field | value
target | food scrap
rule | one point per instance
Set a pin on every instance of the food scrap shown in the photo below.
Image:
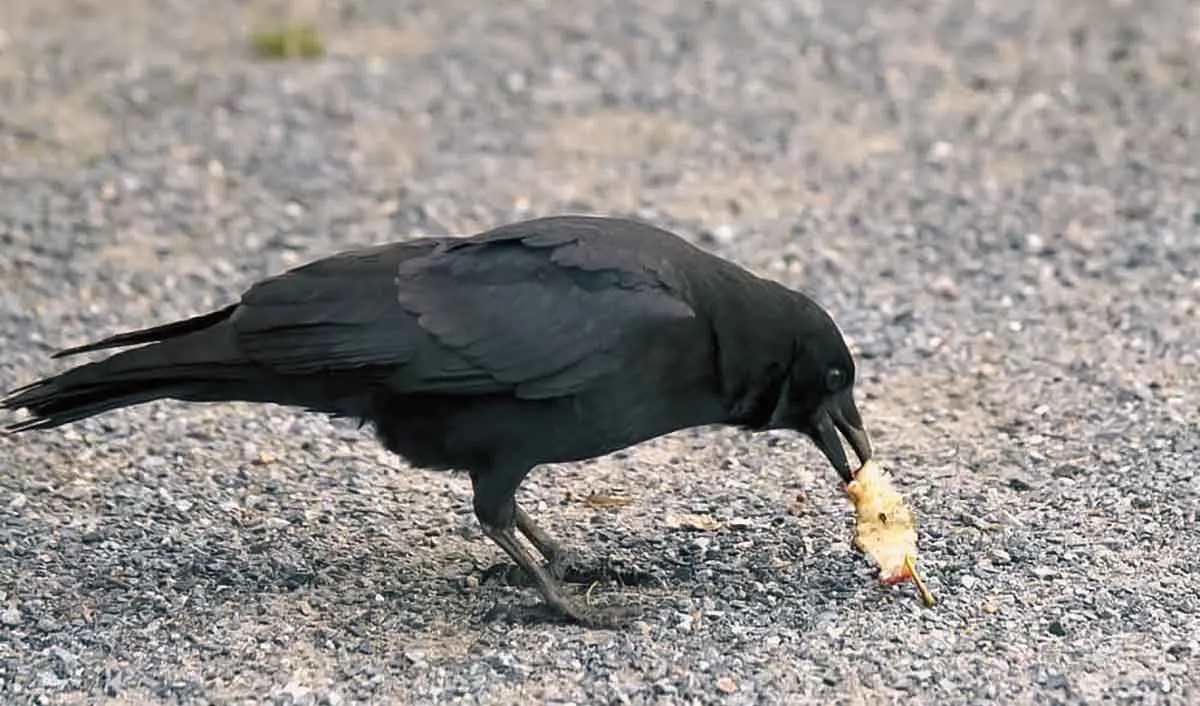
(699, 523)
(598, 500)
(886, 529)
(725, 685)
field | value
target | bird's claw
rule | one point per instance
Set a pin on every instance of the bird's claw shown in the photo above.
(573, 568)
(570, 567)
(571, 610)
(602, 617)
(507, 573)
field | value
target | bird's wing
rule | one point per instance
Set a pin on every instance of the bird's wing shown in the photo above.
(544, 311)
(335, 314)
(536, 313)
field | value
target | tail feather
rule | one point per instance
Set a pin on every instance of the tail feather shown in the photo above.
(56, 408)
(194, 359)
(150, 335)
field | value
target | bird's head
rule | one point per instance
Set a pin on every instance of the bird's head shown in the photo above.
(817, 397)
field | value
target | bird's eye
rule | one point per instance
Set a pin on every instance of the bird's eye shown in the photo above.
(835, 379)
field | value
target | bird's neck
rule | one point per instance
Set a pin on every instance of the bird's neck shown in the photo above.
(754, 340)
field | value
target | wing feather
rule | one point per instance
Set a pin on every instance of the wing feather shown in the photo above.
(533, 320)
(541, 312)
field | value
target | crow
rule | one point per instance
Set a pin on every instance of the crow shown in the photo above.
(551, 340)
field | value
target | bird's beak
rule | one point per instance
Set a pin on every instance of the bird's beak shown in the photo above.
(840, 414)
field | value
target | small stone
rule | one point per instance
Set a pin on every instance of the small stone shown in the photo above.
(726, 685)
(968, 581)
(944, 287)
(941, 151)
(18, 501)
(723, 234)
(1057, 629)
(11, 617)
(515, 82)
(665, 687)
(296, 690)
(1067, 470)
(68, 660)
(1019, 485)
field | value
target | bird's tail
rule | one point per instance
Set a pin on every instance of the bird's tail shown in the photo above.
(194, 359)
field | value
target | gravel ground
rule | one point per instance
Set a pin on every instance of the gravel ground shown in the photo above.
(997, 199)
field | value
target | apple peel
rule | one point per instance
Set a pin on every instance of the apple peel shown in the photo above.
(886, 529)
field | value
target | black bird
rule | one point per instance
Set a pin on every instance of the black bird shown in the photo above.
(547, 341)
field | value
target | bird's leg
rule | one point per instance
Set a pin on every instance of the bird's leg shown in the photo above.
(497, 512)
(566, 565)
(550, 589)
(546, 545)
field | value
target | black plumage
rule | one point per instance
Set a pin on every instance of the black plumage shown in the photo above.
(551, 340)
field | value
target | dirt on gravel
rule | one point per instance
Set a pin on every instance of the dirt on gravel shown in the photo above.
(999, 201)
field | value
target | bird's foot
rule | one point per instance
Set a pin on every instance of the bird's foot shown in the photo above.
(578, 610)
(600, 617)
(572, 567)
(506, 573)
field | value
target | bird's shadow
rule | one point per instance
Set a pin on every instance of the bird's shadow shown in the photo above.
(579, 571)
(653, 582)
(651, 574)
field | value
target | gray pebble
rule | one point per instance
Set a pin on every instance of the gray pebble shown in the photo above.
(10, 617)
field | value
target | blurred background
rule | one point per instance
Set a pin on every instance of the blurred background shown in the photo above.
(996, 199)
